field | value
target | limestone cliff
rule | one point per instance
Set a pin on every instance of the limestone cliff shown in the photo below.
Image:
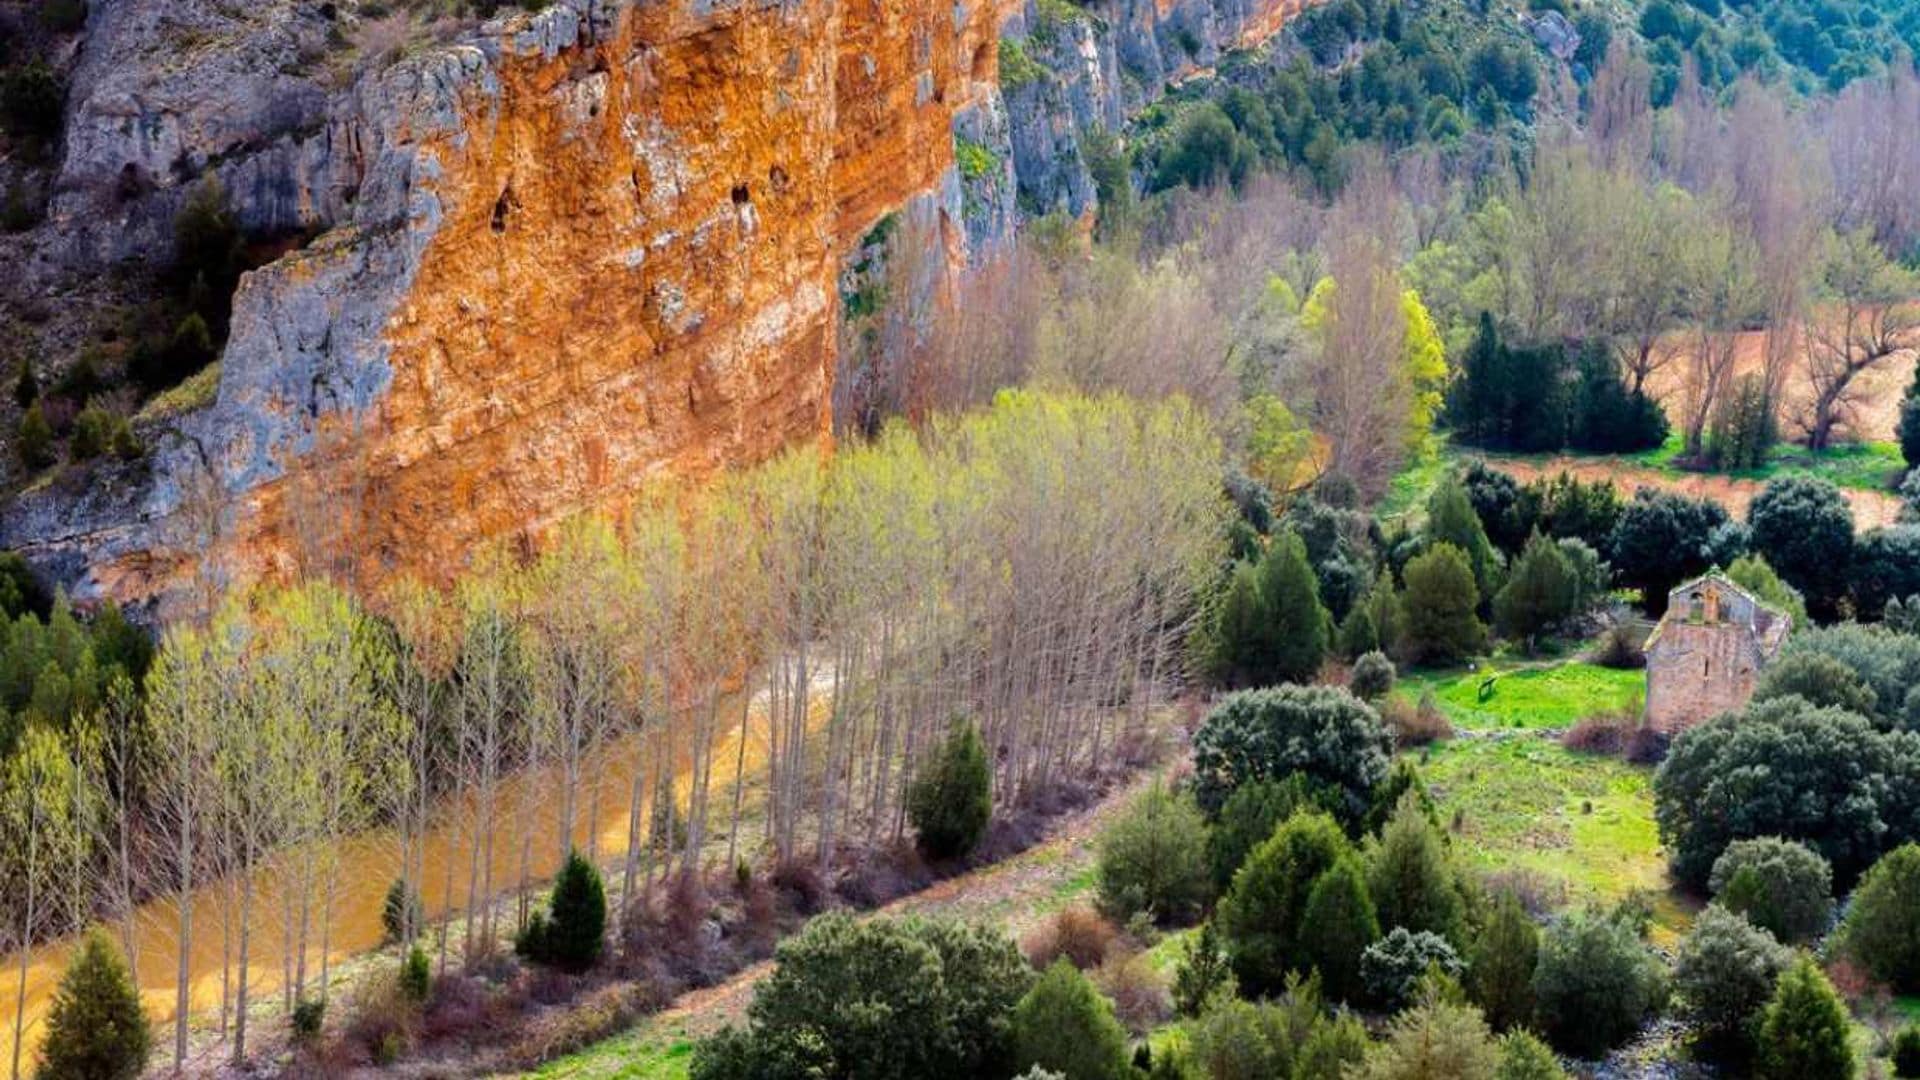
(561, 256)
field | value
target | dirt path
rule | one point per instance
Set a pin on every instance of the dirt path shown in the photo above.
(1015, 893)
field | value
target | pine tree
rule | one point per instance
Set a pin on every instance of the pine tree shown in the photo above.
(1501, 964)
(1540, 591)
(1451, 519)
(951, 802)
(571, 933)
(1440, 601)
(1409, 877)
(95, 1029)
(1297, 619)
(1337, 926)
(1202, 974)
(36, 438)
(1805, 1032)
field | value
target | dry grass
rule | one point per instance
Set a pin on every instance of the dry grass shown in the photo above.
(1077, 932)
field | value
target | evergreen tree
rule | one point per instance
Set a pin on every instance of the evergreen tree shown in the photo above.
(1291, 596)
(1262, 915)
(1372, 677)
(1153, 859)
(1725, 971)
(1337, 926)
(1501, 964)
(1780, 886)
(951, 801)
(1410, 878)
(95, 1028)
(1358, 635)
(1540, 591)
(1441, 625)
(1524, 1057)
(1064, 1026)
(1451, 519)
(1882, 930)
(35, 439)
(1250, 816)
(1743, 431)
(1203, 974)
(26, 388)
(570, 933)
(1805, 1031)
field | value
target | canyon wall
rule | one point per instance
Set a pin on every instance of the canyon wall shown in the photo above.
(558, 258)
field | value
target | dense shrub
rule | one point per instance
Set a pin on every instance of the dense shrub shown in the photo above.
(1392, 967)
(1805, 1031)
(1820, 680)
(951, 801)
(1595, 983)
(1441, 621)
(1411, 877)
(1063, 1025)
(1753, 573)
(1436, 1038)
(1372, 676)
(1784, 768)
(1262, 914)
(1415, 723)
(1803, 526)
(1270, 626)
(1906, 1052)
(1251, 814)
(1910, 430)
(1777, 884)
(31, 96)
(1882, 930)
(1202, 975)
(1525, 1057)
(1206, 150)
(1886, 564)
(1402, 781)
(1076, 933)
(883, 997)
(1337, 926)
(1620, 648)
(1725, 973)
(1886, 661)
(1137, 989)
(1335, 740)
(1241, 1040)
(416, 975)
(34, 440)
(1453, 520)
(571, 932)
(1153, 859)
(401, 912)
(1662, 539)
(1501, 965)
(95, 1028)
(1541, 591)
(1331, 1049)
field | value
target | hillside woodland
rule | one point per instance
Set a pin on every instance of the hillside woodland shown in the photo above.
(1236, 479)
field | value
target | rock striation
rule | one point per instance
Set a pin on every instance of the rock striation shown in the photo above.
(557, 258)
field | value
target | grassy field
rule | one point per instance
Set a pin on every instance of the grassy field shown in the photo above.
(1530, 698)
(1579, 823)
(1870, 465)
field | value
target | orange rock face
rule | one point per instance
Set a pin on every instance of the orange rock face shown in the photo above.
(631, 272)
